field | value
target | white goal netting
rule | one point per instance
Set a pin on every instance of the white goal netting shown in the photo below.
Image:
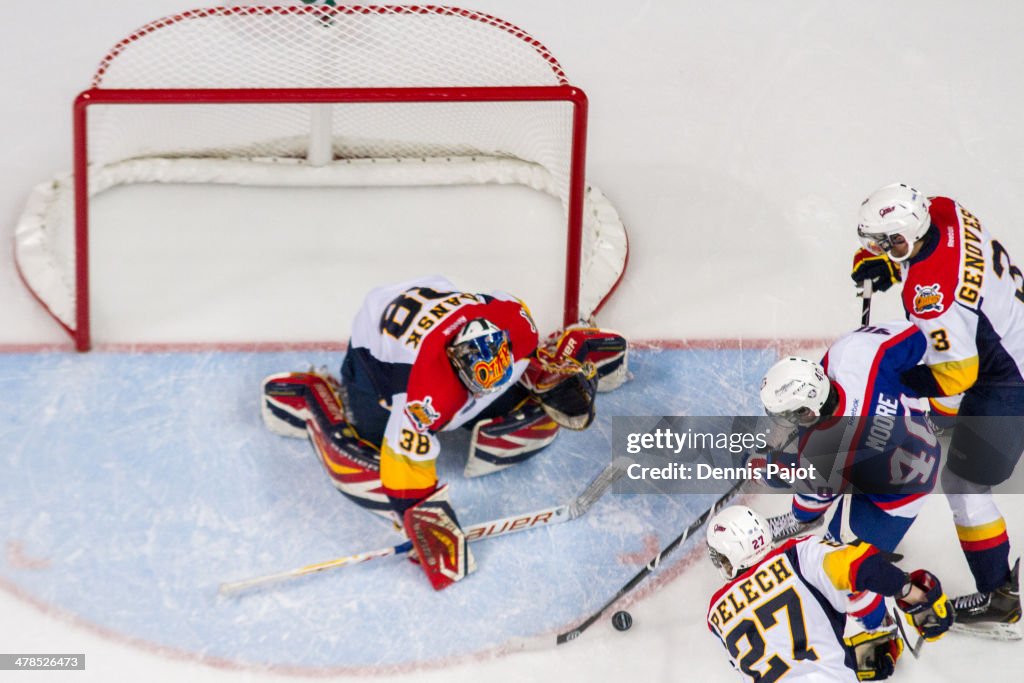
(323, 96)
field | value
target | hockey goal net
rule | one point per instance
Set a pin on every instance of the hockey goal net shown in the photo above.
(322, 96)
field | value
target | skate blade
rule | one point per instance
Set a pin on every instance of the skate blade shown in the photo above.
(992, 631)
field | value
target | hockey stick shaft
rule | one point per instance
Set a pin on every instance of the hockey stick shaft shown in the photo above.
(865, 303)
(914, 649)
(498, 527)
(574, 633)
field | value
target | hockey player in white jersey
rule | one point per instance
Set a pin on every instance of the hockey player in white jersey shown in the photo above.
(780, 615)
(961, 289)
(886, 455)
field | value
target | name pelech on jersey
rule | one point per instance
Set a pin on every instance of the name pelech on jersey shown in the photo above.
(966, 295)
(878, 440)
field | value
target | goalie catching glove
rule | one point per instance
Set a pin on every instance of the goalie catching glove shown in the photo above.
(926, 607)
(570, 367)
(564, 387)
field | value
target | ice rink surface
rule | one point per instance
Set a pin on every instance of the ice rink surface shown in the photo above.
(736, 140)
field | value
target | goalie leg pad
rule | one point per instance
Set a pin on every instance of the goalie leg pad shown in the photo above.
(438, 540)
(501, 442)
(285, 404)
(306, 404)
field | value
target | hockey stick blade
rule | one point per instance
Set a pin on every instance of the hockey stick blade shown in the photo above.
(990, 631)
(498, 527)
(652, 564)
(601, 483)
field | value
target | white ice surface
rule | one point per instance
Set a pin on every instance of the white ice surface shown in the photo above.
(736, 139)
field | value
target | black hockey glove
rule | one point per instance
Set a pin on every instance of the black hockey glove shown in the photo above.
(933, 616)
(877, 268)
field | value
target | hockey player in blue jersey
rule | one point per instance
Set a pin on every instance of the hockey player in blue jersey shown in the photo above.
(886, 456)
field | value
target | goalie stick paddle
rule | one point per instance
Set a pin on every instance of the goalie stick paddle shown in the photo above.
(576, 632)
(498, 527)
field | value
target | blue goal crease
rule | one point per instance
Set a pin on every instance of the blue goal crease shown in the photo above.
(137, 483)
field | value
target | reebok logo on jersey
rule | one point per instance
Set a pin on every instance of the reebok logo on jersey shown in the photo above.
(421, 413)
(928, 298)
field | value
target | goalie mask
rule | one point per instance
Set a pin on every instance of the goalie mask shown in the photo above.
(481, 355)
(738, 538)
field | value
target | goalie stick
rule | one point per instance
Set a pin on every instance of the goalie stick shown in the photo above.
(576, 632)
(574, 509)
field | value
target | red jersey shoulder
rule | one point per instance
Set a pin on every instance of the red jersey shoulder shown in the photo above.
(930, 284)
(435, 394)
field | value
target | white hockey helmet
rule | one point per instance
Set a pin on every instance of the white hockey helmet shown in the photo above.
(794, 390)
(895, 209)
(481, 355)
(738, 538)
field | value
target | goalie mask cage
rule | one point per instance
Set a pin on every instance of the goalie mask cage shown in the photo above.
(322, 96)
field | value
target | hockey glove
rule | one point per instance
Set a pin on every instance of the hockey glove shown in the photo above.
(565, 388)
(932, 616)
(876, 652)
(877, 268)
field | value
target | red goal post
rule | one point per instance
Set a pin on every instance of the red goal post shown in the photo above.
(323, 96)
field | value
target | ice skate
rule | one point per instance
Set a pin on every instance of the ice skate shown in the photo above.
(991, 615)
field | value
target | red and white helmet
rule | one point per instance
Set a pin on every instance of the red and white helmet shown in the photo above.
(794, 391)
(738, 538)
(895, 209)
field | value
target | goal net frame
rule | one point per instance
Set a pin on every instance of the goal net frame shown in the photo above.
(604, 243)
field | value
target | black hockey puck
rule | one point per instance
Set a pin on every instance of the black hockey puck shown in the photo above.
(622, 621)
